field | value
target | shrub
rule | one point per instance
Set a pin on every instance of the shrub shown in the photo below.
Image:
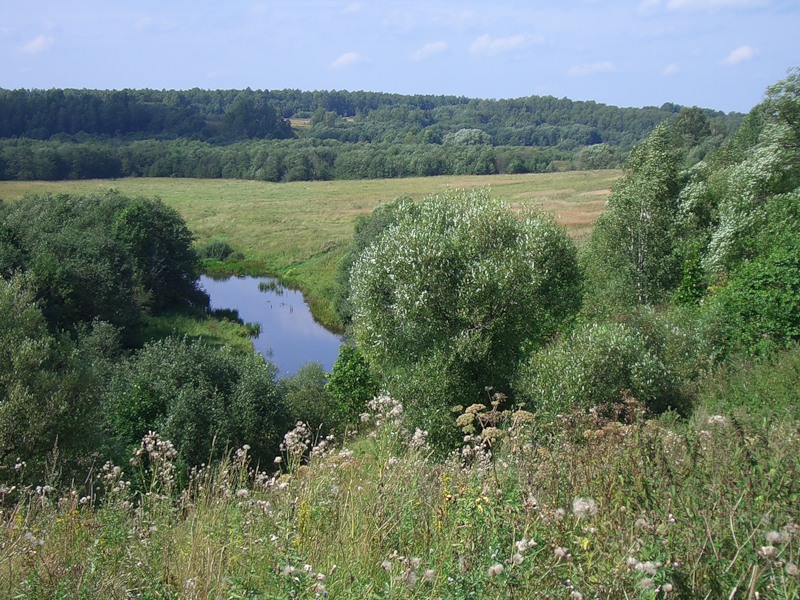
(351, 385)
(456, 292)
(596, 365)
(198, 396)
(307, 398)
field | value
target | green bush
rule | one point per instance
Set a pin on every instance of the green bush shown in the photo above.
(351, 384)
(308, 400)
(198, 396)
(596, 365)
(216, 250)
(455, 293)
(49, 385)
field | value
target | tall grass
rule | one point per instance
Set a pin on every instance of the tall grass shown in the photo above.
(594, 508)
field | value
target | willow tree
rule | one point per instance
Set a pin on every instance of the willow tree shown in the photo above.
(451, 297)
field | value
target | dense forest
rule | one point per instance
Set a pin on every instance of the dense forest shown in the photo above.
(78, 134)
(646, 381)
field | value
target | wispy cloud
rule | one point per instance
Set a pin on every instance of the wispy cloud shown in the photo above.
(713, 4)
(429, 50)
(671, 69)
(486, 45)
(37, 45)
(741, 54)
(353, 7)
(345, 60)
(605, 66)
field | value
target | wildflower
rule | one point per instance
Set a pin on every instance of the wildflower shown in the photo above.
(411, 579)
(428, 576)
(415, 563)
(522, 545)
(496, 569)
(768, 552)
(575, 595)
(791, 569)
(517, 558)
(561, 553)
(666, 588)
(646, 583)
(288, 571)
(319, 589)
(242, 493)
(717, 420)
(631, 561)
(584, 507)
(560, 514)
(773, 537)
(386, 565)
(640, 523)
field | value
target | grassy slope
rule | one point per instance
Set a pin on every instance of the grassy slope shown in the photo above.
(297, 231)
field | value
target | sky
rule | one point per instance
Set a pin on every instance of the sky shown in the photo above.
(719, 54)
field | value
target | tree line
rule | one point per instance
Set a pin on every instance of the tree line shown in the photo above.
(75, 134)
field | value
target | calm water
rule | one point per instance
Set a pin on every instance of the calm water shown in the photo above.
(289, 335)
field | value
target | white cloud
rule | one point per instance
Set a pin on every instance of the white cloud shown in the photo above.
(345, 60)
(429, 50)
(486, 45)
(741, 54)
(591, 68)
(671, 69)
(37, 45)
(712, 4)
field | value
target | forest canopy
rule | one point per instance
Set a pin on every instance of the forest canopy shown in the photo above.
(290, 135)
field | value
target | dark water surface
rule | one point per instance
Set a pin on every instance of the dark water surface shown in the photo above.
(289, 335)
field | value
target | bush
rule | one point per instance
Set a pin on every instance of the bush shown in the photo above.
(596, 365)
(351, 384)
(216, 250)
(455, 292)
(198, 396)
(307, 398)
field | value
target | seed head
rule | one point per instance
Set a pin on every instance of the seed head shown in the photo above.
(496, 569)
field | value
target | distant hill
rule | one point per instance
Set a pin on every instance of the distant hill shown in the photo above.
(68, 134)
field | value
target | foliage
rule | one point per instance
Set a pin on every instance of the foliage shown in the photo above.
(596, 365)
(308, 399)
(204, 399)
(632, 257)
(456, 292)
(757, 389)
(217, 250)
(366, 231)
(49, 385)
(101, 256)
(760, 305)
(350, 385)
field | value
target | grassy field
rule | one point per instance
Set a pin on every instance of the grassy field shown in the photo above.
(297, 231)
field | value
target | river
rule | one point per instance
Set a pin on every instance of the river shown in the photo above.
(289, 335)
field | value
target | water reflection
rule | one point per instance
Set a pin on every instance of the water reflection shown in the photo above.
(289, 335)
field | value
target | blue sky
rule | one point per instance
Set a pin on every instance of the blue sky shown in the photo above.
(718, 54)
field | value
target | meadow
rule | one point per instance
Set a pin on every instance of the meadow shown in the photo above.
(298, 230)
(613, 502)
